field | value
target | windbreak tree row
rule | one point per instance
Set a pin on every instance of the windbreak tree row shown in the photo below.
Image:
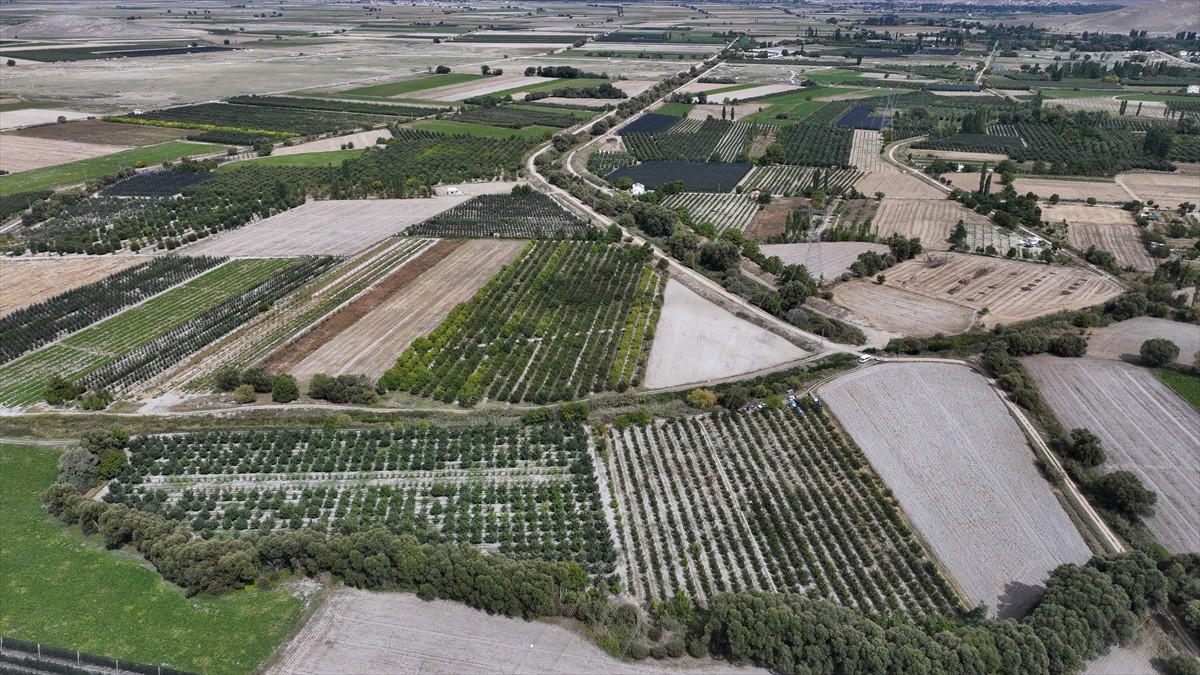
(31, 327)
(567, 319)
(529, 492)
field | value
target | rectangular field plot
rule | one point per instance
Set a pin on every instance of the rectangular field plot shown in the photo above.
(960, 467)
(770, 500)
(865, 152)
(529, 492)
(1110, 229)
(823, 260)
(791, 180)
(898, 311)
(142, 341)
(1167, 190)
(1124, 339)
(24, 282)
(566, 319)
(933, 220)
(1144, 428)
(334, 227)
(367, 338)
(24, 154)
(1011, 290)
(901, 185)
(722, 210)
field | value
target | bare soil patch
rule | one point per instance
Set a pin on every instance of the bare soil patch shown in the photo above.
(696, 341)
(103, 133)
(828, 260)
(334, 227)
(373, 342)
(23, 154)
(15, 119)
(1107, 192)
(1108, 228)
(897, 311)
(962, 471)
(771, 221)
(1144, 427)
(29, 281)
(465, 90)
(898, 185)
(703, 112)
(331, 326)
(1123, 340)
(363, 632)
(363, 139)
(1166, 189)
(1009, 289)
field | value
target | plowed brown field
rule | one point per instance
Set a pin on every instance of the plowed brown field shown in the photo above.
(26, 282)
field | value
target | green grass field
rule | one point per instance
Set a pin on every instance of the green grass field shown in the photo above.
(1187, 385)
(796, 105)
(334, 157)
(448, 127)
(518, 92)
(23, 380)
(836, 77)
(78, 172)
(408, 86)
(1071, 93)
(1158, 97)
(64, 590)
(675, 109)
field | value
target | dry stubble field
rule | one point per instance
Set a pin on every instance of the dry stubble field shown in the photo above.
(897, 311)
(865, 152)
(829, 260)
(898, 185)
(29, 281)
(1108, 192)
(363, 139)
(1144, 427)
(932, 220)
(1107, 228)
(962, 471)
(363, 632)
(334, 227)
(1167, 190)
(104, 133)
(1010, 290)
(1124, 339)
(23, 154)
(696, 340)
(372, 343)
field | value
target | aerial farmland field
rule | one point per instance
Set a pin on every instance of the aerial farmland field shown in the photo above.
(23, 154)
(688, 347)
(824, 260)
(944, 443)
(932, 220)
(1144, 427)
(334, 227)
(1010, 290)
(893, 184)
(371, 343)
(26, 282)
(1123, 340)
(1110, 229)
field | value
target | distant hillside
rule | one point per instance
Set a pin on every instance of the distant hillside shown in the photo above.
(62, 26)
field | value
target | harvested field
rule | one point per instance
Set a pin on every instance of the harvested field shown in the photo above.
(899, 185)
(932, 220)
(1144, 427)
(491, 85)
(22, 154)
(703, 112)
(827, 260)
(1167, 190)
(1123, 340)
(698, 341)
(103, 133)
(27, 117)
(334, 227)
(897, 311)
(865, 153)
(960, 467)
(1107, 228)
(956, 156)
(362, 632)
(1011, 290)
(1155, 110)
(752, 92)
(363, 139)
(24, 282)
(369, 343)
(1107, 192)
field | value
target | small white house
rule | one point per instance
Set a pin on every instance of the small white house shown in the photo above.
(637, 189)
(451, 191)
